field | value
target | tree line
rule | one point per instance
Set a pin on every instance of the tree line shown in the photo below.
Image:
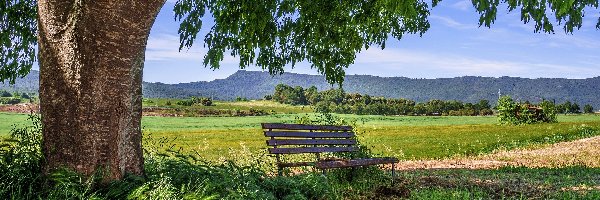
(338, 101)
(14, 98)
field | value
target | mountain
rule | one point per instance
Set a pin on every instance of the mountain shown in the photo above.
(28, 84)
(255, 85)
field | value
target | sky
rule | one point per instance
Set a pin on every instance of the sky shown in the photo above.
(454, 46)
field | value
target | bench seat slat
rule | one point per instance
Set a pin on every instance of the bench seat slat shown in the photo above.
(305, 127)
(311, 150)
(277, 142)
(309, 134)
(354, 163)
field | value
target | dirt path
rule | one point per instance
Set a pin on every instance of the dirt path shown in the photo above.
(584, 152)
(20, 108)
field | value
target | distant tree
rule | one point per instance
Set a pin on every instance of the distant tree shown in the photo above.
(420, 109)
(575, 108)
(312, 95)
(206, 101)
(565, 107)
(5, 94)
(483, 104)
(435, 107)
(548, 111)
(298, 97)
(588, 108)
(268, 97)
(511, 112)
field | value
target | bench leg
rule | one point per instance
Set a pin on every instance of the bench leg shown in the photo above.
(393, 173)
(279, 171)
(352, 174)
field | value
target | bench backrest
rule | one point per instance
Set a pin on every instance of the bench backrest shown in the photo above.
(299, 138)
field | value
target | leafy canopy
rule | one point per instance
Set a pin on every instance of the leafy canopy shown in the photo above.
(274, 33)
(17, 38)
(328, 34)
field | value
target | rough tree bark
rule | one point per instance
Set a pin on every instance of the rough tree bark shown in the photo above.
(91, 59)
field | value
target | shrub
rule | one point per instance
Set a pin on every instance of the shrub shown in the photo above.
(5, 94)
(195, 100)
(510, 112)
(588, 108)
(206, 101)
(10, 100)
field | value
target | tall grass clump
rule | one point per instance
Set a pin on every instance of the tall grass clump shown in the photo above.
(169, 175)
(20, 161)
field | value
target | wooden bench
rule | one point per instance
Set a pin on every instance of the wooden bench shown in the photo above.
(297, 138)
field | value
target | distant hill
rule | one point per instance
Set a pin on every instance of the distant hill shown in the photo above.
(255, 85)
(28, 84)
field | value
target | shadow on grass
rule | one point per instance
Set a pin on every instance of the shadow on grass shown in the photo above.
(505, 183)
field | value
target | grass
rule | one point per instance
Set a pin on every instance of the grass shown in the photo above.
(268, 106)
(173, 175)
(7, 120)
(509, 182)
(407, 137)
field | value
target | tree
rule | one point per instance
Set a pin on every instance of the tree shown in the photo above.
(5, 94)
(91, 55)
(574, 108)
(588, 108)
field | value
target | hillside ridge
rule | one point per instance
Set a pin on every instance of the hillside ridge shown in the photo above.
(257, 84)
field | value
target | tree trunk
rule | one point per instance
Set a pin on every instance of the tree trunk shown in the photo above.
(91, 56)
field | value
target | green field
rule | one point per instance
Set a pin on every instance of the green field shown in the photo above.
(268, 106)
(407, 137)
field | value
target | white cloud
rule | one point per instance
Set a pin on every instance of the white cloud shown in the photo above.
(165, 47)
(449, 22)
(462, 5)
(419, 64)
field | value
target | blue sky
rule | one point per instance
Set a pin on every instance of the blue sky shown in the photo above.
(454, 46)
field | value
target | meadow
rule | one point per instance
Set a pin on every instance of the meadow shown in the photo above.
(231, 161)
(406, 137)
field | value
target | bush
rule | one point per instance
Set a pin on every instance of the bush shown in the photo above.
(5, 94)
(588, 108)
(20, 162)
(195, 100)
(10, 100)
(510, 112)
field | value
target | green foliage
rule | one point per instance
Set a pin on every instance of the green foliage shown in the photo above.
(25, 96)
(5, 94)
(9, 100)
(20, 162)
(568, 14)
(241, 99)
(18, 38)
(510, 112)
(195, 101)
(338, 101)
(328, 34)
(588, 108)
